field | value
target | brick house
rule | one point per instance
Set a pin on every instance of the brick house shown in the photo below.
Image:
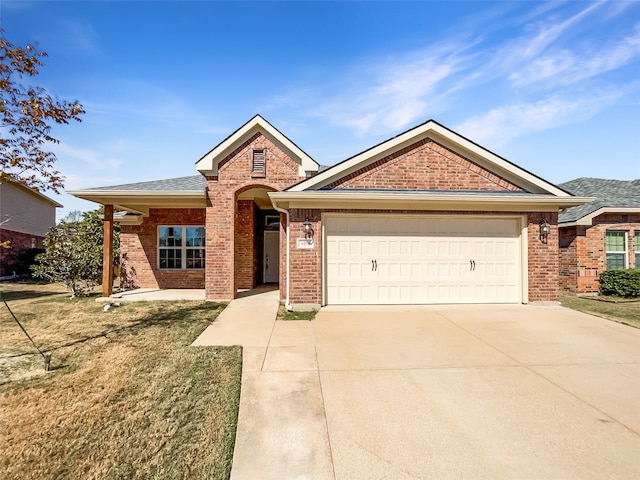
(601, 235)
(26, 216)
(427, 216)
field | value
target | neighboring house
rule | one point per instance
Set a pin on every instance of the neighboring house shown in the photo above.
(25, 218)
(427, 216)
(601, 235)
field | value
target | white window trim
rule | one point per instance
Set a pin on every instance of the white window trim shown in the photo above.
(624, 251)
(183, 248)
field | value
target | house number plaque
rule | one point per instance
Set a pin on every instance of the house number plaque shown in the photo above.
(304, 243)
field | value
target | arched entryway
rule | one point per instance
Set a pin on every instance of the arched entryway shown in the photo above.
(256, 238)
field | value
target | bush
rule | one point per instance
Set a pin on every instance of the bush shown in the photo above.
(621, 283)
(73, 254)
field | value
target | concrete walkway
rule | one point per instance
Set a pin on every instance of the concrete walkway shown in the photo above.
(282, 431)
(440, 392)
(153, 294)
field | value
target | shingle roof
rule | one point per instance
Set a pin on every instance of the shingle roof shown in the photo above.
(608, 193)
(194, 182)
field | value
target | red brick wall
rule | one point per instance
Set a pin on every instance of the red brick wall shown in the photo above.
(140, 243)
(19, 242)
(582, 251)
(245, 252)
(543, 258)
(425, 165)
(306, 265)
(223, 211)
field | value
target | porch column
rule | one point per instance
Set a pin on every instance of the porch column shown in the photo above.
(107, 252)
(220, 223)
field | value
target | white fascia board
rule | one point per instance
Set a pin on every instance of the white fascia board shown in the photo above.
(139, 201)
(447, 138)
(96, 195)
(129, 219)
(428, 201)
(208, 165)
(587, 220)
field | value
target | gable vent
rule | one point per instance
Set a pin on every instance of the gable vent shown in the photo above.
(259, 161)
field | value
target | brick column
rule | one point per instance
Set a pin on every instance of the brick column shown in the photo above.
(219, 276)
(544, 259)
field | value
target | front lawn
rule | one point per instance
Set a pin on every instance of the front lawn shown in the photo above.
(127, 396)
(625, 311)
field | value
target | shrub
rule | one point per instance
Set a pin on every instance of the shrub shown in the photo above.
(621, 283)
(73, 254)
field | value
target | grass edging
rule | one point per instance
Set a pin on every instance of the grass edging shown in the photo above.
(627, 313)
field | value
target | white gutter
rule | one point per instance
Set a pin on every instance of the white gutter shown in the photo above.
(421, 201)
(286, 302)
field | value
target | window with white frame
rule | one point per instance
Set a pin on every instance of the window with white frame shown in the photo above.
(616, 249)
(181, 247)
(636, 247)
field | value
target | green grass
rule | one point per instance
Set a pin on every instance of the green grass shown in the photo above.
(284, 314)
(627, 312)
(128, 397)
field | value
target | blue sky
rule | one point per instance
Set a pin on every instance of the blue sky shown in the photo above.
(552, 86)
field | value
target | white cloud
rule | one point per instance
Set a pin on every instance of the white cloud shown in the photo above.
(555, 70)
(97, 160)
(389, 95)
(566, 67)
(500, 125)
(548, 34)
(79, 36)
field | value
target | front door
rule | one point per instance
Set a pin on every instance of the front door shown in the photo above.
(271, 262)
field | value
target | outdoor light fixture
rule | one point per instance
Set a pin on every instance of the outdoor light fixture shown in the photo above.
(545, 230)
(307, 229)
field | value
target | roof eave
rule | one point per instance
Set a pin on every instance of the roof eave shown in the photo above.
(141, 201)
(32, 191)
(427, 201)
(587, 220)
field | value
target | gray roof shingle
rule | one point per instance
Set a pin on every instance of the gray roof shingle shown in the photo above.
(608, 193)
(194, 183)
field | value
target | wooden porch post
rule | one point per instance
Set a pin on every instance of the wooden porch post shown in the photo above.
(107, 252)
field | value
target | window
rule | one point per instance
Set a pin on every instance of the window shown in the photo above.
(181, 247)
(636, 247)
(259, 162)
(616, 249)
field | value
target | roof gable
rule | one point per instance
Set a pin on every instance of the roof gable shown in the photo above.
(423, 165)
(208, 164)
(463, 147)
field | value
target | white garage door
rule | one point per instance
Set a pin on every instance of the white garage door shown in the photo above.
(413, 260)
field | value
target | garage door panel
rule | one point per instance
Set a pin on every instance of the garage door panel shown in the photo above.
(422, 260)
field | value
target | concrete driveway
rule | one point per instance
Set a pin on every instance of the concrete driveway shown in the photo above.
(443, 392)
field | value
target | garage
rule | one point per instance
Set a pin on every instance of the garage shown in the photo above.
(422, 259)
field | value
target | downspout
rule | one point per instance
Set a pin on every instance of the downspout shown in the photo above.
(286, 302)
